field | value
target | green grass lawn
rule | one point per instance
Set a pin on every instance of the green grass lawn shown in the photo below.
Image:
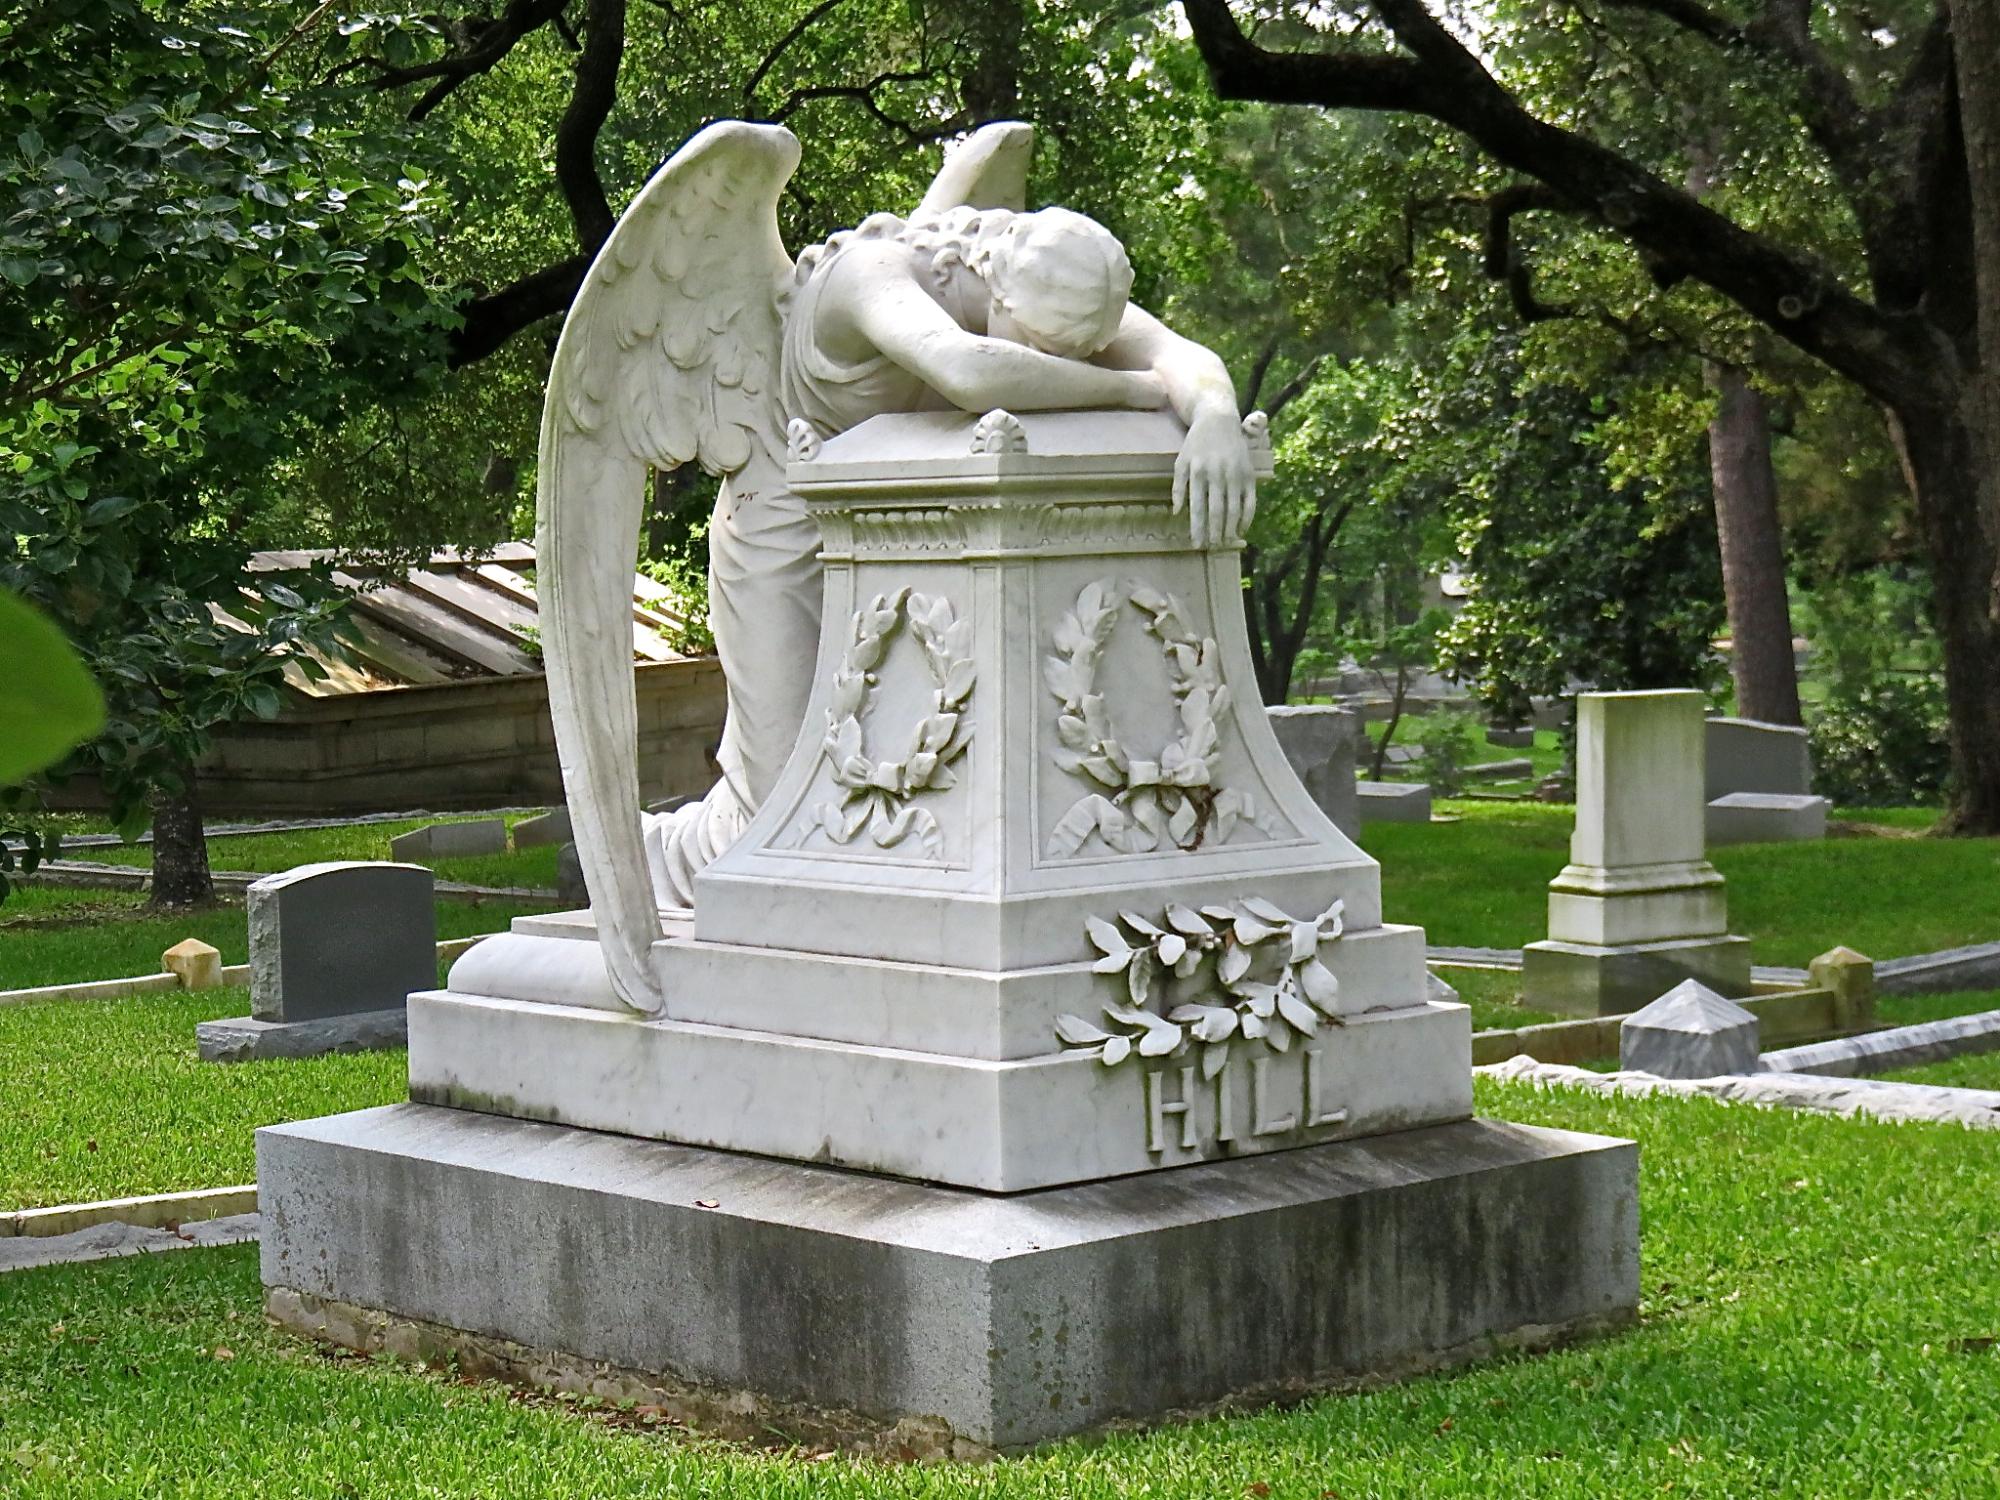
(281, 851)
(1483, 881)
(1821, 1308)
(63, 935)
(106, 1099)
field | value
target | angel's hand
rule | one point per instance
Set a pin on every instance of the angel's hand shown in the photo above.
(1215, 479)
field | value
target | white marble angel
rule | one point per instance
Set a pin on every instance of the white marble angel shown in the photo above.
(696, 337)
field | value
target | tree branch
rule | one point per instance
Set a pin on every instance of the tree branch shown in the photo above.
(1292, 389)
(799, 28)
(1893, 357)
(1503, 263)
(590, 101)
(479, 49)
(491, 320)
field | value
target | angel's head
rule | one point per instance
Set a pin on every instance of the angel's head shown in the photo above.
(1058, 280)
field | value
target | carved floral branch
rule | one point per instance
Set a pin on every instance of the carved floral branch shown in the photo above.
(1245, 970)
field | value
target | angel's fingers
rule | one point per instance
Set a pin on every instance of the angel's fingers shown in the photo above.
(1180, 483)
(1249, 508)
(1197, 500)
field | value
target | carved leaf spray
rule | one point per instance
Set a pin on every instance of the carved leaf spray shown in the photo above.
(879, 793)
(1172, 796)
(1245, 970)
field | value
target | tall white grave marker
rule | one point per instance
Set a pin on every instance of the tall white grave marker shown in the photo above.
(1639, 907)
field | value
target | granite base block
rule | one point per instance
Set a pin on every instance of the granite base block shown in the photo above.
(1012, 1320)
(1582, 979)
(247, 1039)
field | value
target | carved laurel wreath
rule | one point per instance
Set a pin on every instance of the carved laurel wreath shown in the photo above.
(1265, 981)
(879, 792)
(1172, 795)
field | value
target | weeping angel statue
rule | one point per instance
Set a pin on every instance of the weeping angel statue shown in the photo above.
(695, 337)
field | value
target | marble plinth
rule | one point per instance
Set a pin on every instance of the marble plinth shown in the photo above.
(1586, 979)
(1000, 1125)
(800, 1289)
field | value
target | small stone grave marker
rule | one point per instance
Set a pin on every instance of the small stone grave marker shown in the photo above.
(1689, 1032)
(551, 827)
(335, 950)
(450, 840)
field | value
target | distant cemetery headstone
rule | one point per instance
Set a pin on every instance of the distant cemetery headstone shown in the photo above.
(1639, 907)
(335, 950)
(450, 840)
(551, 827)
(1689, 1032)
(1319, 741)
(1516, 738)
(570, 889)
(1393, 801)
(1748, 755)
(1760, 784)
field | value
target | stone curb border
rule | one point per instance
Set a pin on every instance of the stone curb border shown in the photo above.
(148, 984)
(152, 1211)
(1894, 1103)
(1899, 1047)
(87, 874)
(1973, 967)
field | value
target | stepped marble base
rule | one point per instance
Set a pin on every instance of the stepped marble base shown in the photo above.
(1002, 1125)
(1586, 979)
(1014, 1320)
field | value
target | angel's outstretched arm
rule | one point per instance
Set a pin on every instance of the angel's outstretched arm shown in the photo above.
(1214, 476)
(878, 300)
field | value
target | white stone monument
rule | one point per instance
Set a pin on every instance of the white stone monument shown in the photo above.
(1639, 907)
(1035, 1054)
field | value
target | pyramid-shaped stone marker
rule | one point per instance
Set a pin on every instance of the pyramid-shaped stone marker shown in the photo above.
(1689, 1032)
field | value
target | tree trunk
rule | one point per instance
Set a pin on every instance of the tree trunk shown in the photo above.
(180, 846)
(1958, 470)
(1753, 551)
(1940, 456)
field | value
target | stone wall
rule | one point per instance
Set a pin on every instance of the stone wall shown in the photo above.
(484, 743)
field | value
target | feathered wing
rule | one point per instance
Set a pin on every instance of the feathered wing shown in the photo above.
(669, 355)
(988, 169)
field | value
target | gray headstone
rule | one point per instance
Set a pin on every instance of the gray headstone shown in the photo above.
(1765, 818)
(1393, 801)
(570, 889)
(1522, 738)
(1500, 770)
(551, 827)
(1689, 1032)
(447, 840)
(1319, 742)
(340, 939)
(1748, 755)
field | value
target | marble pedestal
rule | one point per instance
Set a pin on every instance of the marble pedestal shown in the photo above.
(1638, 908)
(832, 1303)
(1087, 944)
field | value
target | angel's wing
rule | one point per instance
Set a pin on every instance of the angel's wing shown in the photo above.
(670, 354)
(988, 169)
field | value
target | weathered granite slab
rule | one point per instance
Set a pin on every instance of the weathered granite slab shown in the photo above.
(247, 1039)
(1974, 967)
(1015, 1320)
(551, 827)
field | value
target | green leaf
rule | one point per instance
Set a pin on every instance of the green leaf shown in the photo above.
(48, 702)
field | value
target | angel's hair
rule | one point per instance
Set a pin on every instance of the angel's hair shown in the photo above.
(1061, 276)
